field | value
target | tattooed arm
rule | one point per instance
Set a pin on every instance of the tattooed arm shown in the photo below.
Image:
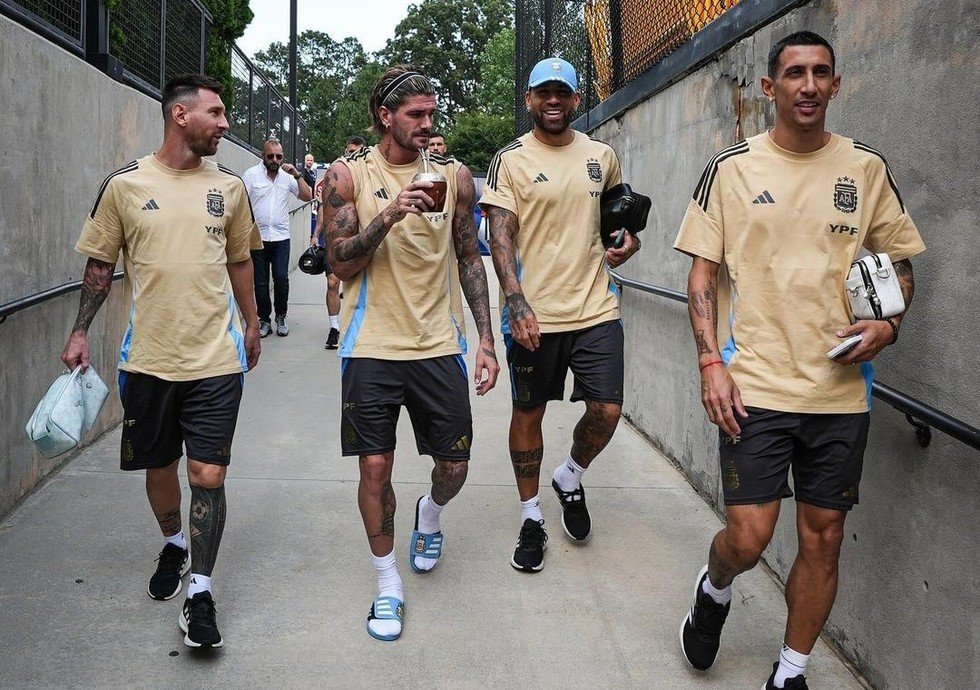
(503, 248)
(473, 280)
(350, 246)
(877, 335)
(719, 394)
(96, 284)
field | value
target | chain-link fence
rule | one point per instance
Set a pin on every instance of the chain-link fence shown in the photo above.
(610, 42)
(63, 17)
(155, 40)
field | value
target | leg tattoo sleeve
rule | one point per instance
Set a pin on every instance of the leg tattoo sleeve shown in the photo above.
(527, 463)
(207, 523)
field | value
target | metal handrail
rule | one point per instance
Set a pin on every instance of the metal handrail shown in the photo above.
(43, 296)
(920, 415)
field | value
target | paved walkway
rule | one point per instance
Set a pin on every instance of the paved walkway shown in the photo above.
(294, 580)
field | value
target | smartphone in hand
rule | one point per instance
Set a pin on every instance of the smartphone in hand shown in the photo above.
(845, 346)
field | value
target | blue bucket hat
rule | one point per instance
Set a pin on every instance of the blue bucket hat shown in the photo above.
(553, 69)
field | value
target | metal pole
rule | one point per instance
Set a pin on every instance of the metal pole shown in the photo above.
(292, 74)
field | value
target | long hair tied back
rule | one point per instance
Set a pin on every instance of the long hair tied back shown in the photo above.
(394, 87)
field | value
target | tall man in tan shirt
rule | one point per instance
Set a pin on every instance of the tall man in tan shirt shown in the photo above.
(403, 262)
(185, 229)
(780, 217)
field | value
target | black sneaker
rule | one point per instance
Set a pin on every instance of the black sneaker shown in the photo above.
(701, 628)
(531, 544)
(575, 519)
(172, 564)
(794, 683)
(198, 622)
(333, 337)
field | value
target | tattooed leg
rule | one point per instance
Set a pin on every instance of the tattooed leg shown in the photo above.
(594, 430)
(207, 524)
(448, 477)
(163, 492)
(526, 449)
(376, 500)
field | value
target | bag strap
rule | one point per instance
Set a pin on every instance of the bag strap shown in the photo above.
(869, 287)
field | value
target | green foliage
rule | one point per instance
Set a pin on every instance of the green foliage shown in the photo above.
(489, 124)
(231, 17)
(495, 92)
(476, 136)
(445, 37)
(333, 84)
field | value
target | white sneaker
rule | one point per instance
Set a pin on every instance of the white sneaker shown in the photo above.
(281, 328)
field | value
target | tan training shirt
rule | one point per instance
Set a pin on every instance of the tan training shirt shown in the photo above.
(406, 303)
(178, 230)
(554, 191)
(785, 227)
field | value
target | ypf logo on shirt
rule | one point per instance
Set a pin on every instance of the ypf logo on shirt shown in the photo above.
(594, 169)
(216, 203)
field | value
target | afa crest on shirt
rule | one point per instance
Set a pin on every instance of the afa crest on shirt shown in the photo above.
(594, 169)
(845, 195)
(216, 203)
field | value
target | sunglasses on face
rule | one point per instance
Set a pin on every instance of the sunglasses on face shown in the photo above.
(276, 156)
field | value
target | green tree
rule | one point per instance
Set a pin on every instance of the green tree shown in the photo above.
(231, 17)
(328, 74)
(445, 38)
(489, 125)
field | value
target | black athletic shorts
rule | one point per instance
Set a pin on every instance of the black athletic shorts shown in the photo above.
(825, 451)
(595, 356)
(434, 391)
(161, 417)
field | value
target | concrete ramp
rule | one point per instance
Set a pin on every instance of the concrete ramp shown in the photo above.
(294, 580)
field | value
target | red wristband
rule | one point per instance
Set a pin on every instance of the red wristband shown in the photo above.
(714, 361)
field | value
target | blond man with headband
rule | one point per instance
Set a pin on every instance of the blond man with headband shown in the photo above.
(403, 261)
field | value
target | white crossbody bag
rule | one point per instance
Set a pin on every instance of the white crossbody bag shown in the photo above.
(873, 291)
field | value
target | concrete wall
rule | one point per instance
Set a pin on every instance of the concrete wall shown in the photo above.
(65, 126)
(908, 611)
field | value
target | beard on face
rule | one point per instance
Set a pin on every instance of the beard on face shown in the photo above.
(203, 146)
(404, 137)
(272, 166)
(551, 128)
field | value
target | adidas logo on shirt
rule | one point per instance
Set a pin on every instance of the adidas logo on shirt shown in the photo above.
(150, 205)
(381, 193)
(764, 198)
(541, 178)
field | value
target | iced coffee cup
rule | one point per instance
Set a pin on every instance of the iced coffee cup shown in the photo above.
(437, 191)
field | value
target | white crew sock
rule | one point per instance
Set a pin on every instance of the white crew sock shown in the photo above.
(177, 540)
(531, 508)
(389, 585)
(720, 596)
(429, 512)
(198, 583)
(335, 322)
(568, 476)
(389, 581)
(791, 664)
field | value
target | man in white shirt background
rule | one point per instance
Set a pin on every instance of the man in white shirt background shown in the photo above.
(269, 185)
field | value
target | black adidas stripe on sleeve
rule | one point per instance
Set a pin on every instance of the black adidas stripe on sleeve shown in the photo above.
(494, 167)
(129, 167)
(703, 191)
(888, 173)
(248, 200)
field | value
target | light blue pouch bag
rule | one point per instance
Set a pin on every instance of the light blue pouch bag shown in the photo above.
(66, 412)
